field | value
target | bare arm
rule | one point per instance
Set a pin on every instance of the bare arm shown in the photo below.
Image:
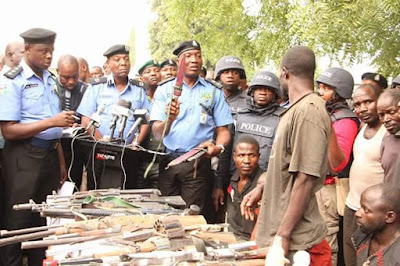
(335, 153)
(13, 130)
(299, 199)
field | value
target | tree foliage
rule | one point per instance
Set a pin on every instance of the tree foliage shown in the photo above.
(345, 30)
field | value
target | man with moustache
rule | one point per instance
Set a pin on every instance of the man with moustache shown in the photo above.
(245, 155)
(168, 69)
(106, 92)
(194, 117)
(377, 240)
(31, 123)
(71, 91)
(366, 169)
(389, 114)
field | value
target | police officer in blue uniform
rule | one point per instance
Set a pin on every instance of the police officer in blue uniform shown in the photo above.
(31, 123)
(200, 111)
(104, 93)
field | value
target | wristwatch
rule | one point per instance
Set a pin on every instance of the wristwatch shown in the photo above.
(222, 148)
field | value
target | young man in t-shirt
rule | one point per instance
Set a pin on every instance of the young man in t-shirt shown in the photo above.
(289, 219)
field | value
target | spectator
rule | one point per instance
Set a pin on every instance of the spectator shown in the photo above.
(389, 115)
(97, 72)
(377, 240)
(366, 169)
(84, 73)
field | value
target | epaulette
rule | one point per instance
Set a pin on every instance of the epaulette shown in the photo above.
(137, 83)
(95, 81)
(165, 81)
(214, 83)
(13, 72)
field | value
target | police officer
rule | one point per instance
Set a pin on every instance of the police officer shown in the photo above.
(150, 74)
(71, 91)
(149, 170)
(229, 70)
(31, 123)
(335, 85)
(260, 118)
(168, 69)
(200, 111)
(104, 93)
(375, 79)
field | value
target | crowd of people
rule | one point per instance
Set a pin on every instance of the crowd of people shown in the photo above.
(291, 162)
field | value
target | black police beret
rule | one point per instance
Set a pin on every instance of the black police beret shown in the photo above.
(116, 49)
(38, 35)
(168, 62)
(186, 46)
(149, 63)
(378, 78)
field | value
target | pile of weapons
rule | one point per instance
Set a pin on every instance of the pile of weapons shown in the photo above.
(128, 227)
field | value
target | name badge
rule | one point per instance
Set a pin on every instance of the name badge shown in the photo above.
(28, 86)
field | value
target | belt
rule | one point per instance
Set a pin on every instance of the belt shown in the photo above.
(45, 144)
(329, 180)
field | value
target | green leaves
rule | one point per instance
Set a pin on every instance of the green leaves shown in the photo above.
(261, 31)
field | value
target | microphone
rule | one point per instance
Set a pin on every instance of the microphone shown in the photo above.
(140, 117)
(116, 113)
(95, 118)
(124, 117)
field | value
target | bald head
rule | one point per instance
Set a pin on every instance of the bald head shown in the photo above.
(300, 61)
(14, 53)
(387, 194)
(68, 71)
(84, 72)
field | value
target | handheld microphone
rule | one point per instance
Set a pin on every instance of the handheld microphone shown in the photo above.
(124, 117)
(140, 117)
(116, 113)
(95, 118)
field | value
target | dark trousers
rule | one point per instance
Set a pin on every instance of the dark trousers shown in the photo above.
(188, 180)
(29, 173)
(349, 227)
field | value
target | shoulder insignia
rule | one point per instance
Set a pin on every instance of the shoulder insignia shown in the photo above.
(166, 81)
(137, 83)
(214, 83)
(13, 72)
(95, 81)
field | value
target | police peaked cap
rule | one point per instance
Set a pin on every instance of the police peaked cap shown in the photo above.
(168, 62)
(340, 79)
(186, 46)
(229, 62)
(378, 78)
(38, 35)
(116, 49)
(149, 63)
(266, 79)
